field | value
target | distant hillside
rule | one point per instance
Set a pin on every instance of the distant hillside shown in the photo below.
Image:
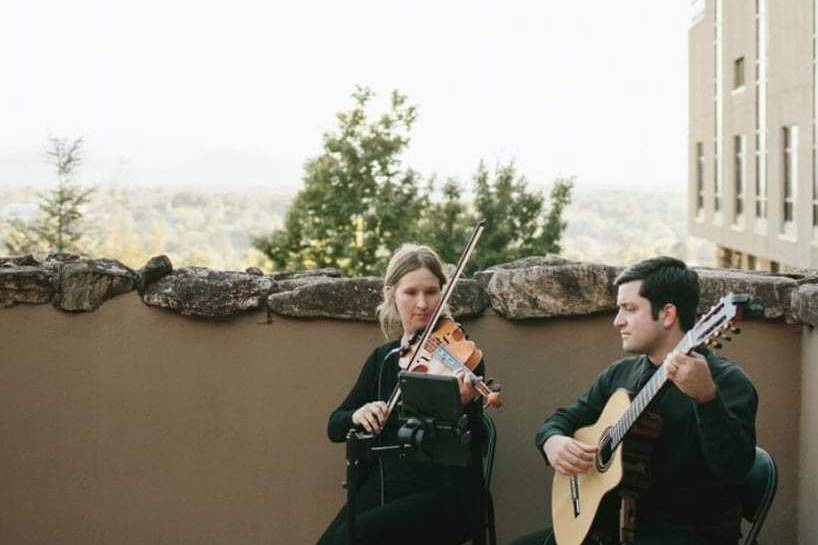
(215, 229)
(192, 227)
(621, 227)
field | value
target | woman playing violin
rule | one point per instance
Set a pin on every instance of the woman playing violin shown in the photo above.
(402, 501)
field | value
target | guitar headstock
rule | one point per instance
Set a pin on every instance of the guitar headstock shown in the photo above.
(720, 320)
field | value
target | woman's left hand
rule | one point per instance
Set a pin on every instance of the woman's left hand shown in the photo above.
(466, 383)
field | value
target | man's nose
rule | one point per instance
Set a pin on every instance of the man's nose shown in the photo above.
(618, 321)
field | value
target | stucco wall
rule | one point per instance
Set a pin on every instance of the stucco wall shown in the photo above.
(808, 461)
(136, 425)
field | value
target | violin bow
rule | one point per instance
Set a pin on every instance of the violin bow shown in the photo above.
(447, 292)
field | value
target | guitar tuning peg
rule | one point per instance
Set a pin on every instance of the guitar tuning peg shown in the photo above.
(736, 330)
(728, 338)
(717, 345)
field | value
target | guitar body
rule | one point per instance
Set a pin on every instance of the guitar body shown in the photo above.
(571, 525)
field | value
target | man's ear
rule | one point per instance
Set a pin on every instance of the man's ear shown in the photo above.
(669, 315)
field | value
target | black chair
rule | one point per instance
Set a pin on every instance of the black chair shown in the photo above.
(758, 491)
(489, 446)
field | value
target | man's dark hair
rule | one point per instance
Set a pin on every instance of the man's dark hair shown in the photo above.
(666, 280)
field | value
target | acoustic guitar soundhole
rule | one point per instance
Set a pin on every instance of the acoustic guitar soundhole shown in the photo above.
(605, 454)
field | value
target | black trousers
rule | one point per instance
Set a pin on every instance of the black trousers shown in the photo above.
(411, 515)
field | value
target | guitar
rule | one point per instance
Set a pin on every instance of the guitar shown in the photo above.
(575, 499)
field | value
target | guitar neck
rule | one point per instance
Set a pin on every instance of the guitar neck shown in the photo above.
(646, 395)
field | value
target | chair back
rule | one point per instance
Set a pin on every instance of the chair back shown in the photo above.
(488, 448)
(758, 491)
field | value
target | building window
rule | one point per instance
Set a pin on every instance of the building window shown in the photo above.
(790, 162)
(814, 118)
(761, 187)
(738, 73)
(814, 193)
(717, 186)
(739, 146)
(760, 140)
(718, 126)
(699, 177)
(815, 202)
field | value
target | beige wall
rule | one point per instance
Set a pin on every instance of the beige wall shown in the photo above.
(808, 462)
(790, 99)
(135, 425)
(701, 114)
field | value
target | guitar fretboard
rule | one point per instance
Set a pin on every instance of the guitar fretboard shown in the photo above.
(645, 396)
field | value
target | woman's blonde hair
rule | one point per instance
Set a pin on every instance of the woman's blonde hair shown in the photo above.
(406, 259)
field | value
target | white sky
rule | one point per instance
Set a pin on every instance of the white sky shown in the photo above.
(237, 94)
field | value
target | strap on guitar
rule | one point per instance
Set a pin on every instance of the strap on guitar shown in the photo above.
(627, 516)
(637, 456)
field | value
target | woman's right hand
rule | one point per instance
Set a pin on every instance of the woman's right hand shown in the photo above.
(371, 416)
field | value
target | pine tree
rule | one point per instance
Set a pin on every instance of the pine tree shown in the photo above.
(59, 225)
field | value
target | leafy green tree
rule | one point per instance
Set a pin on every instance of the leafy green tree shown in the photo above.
(359, 200)
(518, 224)
(59, 225)
(554, 227)
(447, 224)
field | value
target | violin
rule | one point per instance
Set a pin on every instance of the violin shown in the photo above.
(442, 345)
(446, 352)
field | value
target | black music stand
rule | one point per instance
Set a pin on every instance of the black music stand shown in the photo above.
(432, 419)
(433, 429)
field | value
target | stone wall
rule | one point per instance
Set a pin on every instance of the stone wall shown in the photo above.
(190, 406)
(534, 287)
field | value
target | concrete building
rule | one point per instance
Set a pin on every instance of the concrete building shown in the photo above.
(753, 179)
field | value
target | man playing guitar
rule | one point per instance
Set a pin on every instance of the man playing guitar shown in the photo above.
(707, 407)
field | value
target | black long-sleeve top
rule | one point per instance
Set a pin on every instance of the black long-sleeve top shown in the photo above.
(703, 451)
(376, 381)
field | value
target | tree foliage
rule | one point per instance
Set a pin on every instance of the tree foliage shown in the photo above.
(446, 224)
(360, 202)
(59, 225)
(518, 223)
(358, 196)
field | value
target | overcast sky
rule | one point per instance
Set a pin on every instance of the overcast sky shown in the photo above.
(237, 94)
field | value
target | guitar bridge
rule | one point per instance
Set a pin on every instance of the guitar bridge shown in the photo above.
(574, 484)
